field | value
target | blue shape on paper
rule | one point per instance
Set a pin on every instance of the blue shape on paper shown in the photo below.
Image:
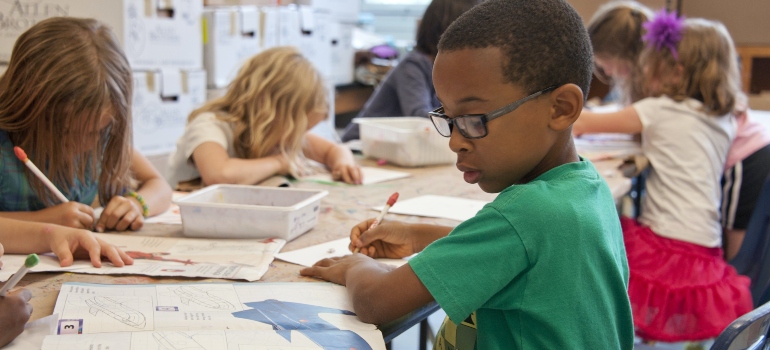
(287, 316)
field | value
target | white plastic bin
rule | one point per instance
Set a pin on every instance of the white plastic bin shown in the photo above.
(238, 211)
(405, 141)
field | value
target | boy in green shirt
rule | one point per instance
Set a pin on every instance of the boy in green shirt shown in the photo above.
(541, 267)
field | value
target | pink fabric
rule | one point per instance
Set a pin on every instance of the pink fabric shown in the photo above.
(750, 137)
(680, 291)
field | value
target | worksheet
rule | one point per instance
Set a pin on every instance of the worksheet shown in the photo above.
(310, 255)
(209, 316)
(240, 259)
(371, 176)
(453, 208)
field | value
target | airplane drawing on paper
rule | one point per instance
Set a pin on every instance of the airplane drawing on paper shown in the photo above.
(287, 316)
(176, 341)
(190, 294)
(116, 310)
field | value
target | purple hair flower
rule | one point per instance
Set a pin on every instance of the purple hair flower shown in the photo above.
(664, 31)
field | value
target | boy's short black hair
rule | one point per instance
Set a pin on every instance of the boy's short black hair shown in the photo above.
(544, 42)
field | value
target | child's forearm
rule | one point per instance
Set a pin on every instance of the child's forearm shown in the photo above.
(157, 195)
(246, 171)
(339, 154)
(424, 235)
(382, 293)
(22, 237)
(33, 216)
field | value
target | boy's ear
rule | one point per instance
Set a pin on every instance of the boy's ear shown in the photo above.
(566, 105)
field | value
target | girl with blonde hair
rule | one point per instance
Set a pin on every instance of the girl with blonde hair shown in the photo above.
(259, 128)
(680, 286)
(616, 37)
(66, 100)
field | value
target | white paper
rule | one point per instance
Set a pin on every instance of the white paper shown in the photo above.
(371, 176)
(208, 316)
(34, 333)
(453, 208)
(310, 255)
(245, 259)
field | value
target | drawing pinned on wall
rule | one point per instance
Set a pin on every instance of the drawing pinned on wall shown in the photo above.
(190, 294)
(304, 318)
(116, 310)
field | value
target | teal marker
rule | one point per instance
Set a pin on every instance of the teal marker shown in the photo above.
(29, 263)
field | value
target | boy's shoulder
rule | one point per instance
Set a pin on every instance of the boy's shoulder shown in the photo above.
(560, 184)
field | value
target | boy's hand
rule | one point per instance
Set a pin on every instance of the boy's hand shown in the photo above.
(14, 313)
(390, 239)
(121, 213)
(348, 173)
(70, 214)
(335, 269)
(68, 244)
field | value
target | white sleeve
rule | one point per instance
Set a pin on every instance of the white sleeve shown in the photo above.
(205, 128)
(648, 109)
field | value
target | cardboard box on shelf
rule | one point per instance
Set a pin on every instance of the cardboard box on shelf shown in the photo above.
(153, 34)
(232, 36)
(163, 99)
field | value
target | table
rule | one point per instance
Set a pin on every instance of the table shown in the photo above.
(344, 207)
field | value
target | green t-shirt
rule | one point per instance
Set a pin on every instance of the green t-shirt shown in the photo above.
(543, 266)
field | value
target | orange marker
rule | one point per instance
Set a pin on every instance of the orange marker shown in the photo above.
(392, 200)
(23, 157)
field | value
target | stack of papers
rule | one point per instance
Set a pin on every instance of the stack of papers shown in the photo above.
(246, 259)
(209, 316)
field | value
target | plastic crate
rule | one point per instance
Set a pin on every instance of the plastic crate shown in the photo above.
(238, 211)
(404, 141)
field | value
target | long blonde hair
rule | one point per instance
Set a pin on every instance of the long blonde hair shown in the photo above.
(708, 64)
(616, 32)
(63, 74)
(268, 103)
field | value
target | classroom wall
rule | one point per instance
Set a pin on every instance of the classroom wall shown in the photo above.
(747, 20)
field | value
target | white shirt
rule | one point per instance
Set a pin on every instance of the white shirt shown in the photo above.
(204, 128)
(687, 150)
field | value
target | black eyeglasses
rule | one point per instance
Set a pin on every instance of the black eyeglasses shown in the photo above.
(474, 126)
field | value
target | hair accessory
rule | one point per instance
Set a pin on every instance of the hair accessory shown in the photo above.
(664, 30)
(140, 199)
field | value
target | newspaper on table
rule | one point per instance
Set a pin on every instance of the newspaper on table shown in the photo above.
(239, 259)
(209, 316)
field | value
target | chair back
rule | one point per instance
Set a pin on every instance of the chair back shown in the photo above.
(747, 332)
(753, 259)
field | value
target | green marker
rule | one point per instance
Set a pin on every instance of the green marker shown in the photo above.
(29, 263)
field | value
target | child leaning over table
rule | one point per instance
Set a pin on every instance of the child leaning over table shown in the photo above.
(541, 267)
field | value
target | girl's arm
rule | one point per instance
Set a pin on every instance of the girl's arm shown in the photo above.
(126, 212)
(625, 121)
(216, 166)
(22, 237)
(152, 186)
(339, 159)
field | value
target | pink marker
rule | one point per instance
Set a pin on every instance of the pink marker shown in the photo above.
(23, 157)
(392, 200)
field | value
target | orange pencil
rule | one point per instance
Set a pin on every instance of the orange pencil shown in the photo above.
(392, 200)
(23, 157)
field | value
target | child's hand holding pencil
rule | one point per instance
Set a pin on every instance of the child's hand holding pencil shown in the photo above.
(391, 239)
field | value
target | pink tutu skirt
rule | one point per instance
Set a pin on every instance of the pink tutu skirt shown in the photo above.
(680, 291)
